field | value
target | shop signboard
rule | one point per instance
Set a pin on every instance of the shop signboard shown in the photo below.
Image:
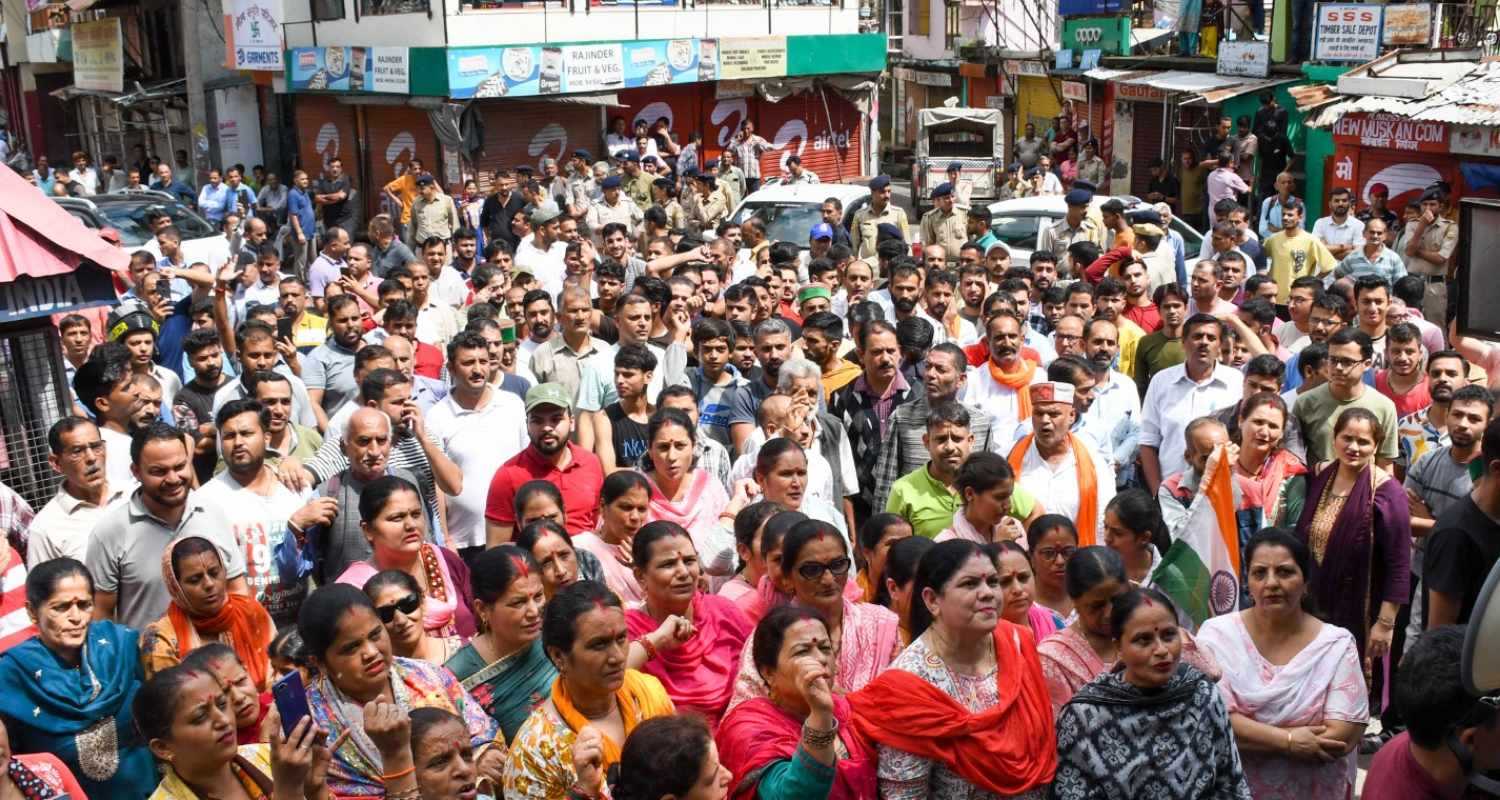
(383, 70)
(1407, 25)
(1347, 32)
(1139, 93)
(255, 34)
(1109, 35)
(1075, 91)
(1390, 132)
(759, 57)
(27, 297)
(1471, 141)
(1245, 59)
(530, 70)
(1074, 8)
(98, 55)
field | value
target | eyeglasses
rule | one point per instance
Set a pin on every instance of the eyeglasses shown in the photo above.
(1339, 362)
(407, 605)
(813, 570)
(1055, 553)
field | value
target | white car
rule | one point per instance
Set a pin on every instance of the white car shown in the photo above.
(1018, 223)
(790, 212)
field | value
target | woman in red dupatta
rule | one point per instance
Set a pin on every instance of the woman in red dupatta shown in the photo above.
(964, 710)
(800, 741)
(698, 674)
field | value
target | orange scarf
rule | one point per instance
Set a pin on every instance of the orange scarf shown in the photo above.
(641, 697)
(249, 628)
(1016, 381)
(1088, 484)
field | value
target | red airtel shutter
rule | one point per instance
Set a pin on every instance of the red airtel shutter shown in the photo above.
(827, 138)
(1145, 145)
(395, 135)
(526, 131)
(682, 105)
(325, 128)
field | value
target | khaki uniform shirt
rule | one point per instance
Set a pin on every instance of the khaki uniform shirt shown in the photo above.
(624, 211)
(581, 193)
(435, 217)
(1441, 236)
(1057, 237)
(639, 188)
(708, 212)
(862, 229)
(676, 217)
(949, 230)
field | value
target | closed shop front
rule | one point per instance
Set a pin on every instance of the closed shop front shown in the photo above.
(325, 128)
(526, 131)
(394, 135)
(1147, 138)
(1037, 102)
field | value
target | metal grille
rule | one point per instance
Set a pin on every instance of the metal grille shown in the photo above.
(32, 398)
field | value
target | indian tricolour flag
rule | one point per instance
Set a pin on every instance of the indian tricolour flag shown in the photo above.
(1201, 570)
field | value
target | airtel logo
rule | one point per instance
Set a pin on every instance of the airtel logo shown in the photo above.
(327, 143)
(725, 109)
(542, 141)
(403, 143)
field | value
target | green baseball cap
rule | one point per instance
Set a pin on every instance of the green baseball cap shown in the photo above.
(548, 394)
(810, 292)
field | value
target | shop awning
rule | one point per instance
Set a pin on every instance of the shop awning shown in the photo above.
(1201, 87)
(1471, 98)
(39, 238)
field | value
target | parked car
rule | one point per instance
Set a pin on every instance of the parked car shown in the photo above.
(130, 214)
(1018, 223)
(790, 212)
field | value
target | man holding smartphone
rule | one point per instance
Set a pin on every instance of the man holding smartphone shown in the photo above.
(328, 266)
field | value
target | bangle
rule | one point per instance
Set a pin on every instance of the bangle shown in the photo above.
(401, 774)
(1389, 623)
(1289, 741)
(813, 738)
(648, 647)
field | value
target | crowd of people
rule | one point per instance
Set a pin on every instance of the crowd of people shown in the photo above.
(582, 489)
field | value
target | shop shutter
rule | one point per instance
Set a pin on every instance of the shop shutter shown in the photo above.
(325, 128)
(682, 105)
(1405, 174)
(526, 131)
(1145, 145)
(826, 138)
(394, 135)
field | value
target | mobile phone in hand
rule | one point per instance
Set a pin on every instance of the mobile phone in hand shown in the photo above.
(284, 328)
(291, 700)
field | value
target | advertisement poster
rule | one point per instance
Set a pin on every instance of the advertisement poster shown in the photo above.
(482, 72)
(493, 71)
(1245, 59)
(761, 57)
(1347, 32)
(592, 67)
(255, 29)
(660, 62)
(97, 55)
(1389, 132)
(1408, 25)
(349, 69)
(237, 125)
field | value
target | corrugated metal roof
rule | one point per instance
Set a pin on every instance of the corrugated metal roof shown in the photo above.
(1205, 87)
(1472, 100)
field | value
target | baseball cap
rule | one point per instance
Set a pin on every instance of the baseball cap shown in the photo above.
(545, 213)
(810, 292)
(548, 394)
(822, 230)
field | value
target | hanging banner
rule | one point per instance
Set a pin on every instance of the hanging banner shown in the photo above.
(666, 61)
(384, 70)
(255, 31)
(97, 55)
(237, 124)
(1245, 59)
(1476, 141)
(1347, 32)
(761, 57)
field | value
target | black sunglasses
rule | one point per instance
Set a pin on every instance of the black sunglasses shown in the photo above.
(406, 605)
(813, 570)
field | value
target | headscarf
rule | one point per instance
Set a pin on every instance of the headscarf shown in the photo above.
(245, 620)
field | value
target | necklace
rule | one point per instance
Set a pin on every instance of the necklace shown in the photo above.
(437, 588)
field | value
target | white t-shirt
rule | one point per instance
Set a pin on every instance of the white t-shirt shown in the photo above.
(117, 459)
(259, 524)
(546, 265)
(479, 442)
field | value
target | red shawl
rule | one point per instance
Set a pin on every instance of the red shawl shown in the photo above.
(1008, 749)
(757, 734)
(700, 674)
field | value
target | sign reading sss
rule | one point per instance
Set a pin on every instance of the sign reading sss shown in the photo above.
(1392, 132)
(1347, 32)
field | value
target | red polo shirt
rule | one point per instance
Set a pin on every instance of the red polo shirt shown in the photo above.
(581, 483)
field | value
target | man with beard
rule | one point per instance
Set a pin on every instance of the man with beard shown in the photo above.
(540, 318)
(1180, 394)
(328, 370)
(124, 553)
(256, 345)
(502, 356)
(1061, 470)
(475, 425)
(773, 346)
(926, 497)
(500, 208)
(1163, 347)
(1427, 429)
(1110, 304)
(937, 301)
(904, 290)
(325, 269)
(543, 252)
(308, 329)
(258, 509)
(1402, 379)
(287, 443)
(452, 285)
(903, 451)
(866, 405)
(822, 339)
(1117, 405)
(105, 387)
(193, 407)
(549, 457)
(862, 232)
(999, 385)
(324, 551)
(63, 527)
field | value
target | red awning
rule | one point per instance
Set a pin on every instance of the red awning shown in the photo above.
(40, 238)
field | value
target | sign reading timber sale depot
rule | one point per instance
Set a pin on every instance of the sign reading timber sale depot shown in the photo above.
(1357, 32)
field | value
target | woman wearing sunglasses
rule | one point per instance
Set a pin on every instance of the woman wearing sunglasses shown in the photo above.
(395, 524)
(698, 675)
(815, 567)
(399, 603)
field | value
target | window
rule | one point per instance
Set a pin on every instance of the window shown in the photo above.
(381, 7)
(785, 222)
(1018, 230)
(324, 10)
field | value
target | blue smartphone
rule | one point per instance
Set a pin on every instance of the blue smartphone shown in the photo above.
(291, 700)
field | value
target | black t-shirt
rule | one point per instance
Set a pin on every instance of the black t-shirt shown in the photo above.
(1461, 550)
(342, 212)
(1167, 186)
(194, 406)
(627, 435)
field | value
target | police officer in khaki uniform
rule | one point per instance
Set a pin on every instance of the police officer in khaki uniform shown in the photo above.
(635, 182)
(1075, 226)
(945, 225)
(614, 207)
(708, 208)
(963, 189)
(1427, 244)
(880, 210)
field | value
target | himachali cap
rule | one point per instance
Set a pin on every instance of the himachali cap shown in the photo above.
(1078, 197)
(1049, 392)
(508, 333)
(612, 182)
(880, 182)
(942, 190)
(822, 230)
(548, 394)
(810, 292)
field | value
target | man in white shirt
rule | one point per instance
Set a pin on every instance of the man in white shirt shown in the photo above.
(63, 526)
(1178, 395)
(544, 251)
(478, 427)
(995, 385)
(105, 386)
(1340, 231)
(1116, 410)
(1049, 457)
